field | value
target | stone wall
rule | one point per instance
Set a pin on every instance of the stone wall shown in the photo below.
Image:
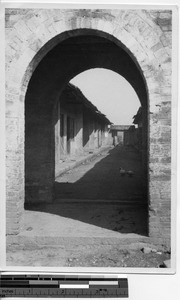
(145, 36)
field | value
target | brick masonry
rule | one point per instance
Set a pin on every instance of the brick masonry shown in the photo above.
(146, 34)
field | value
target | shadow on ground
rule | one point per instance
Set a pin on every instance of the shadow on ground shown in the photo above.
(100, 178)
(125, 207)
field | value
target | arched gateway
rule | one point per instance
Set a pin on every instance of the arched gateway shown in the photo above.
(44, 50)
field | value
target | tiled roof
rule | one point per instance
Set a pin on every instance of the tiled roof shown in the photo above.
(76, 95)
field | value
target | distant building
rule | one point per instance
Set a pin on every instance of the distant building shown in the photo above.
(117, 134)
(133, 136)
(130, 136)
(138, 118)
(138, 121)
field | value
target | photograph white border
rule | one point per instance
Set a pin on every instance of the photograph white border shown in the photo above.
(174, 138)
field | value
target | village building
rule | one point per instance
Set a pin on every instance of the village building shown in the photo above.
(133, 134)
(138, 122)
(80, 128)
(117, 134)
(138, 118)
(130, 136)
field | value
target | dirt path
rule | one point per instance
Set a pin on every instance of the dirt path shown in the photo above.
(96, 255)
(100, 178)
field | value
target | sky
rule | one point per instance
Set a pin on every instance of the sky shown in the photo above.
(110, 92)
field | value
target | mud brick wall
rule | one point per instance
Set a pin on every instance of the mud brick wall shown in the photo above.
(146, 36)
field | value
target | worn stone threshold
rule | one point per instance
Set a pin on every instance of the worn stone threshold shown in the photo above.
(122, 202)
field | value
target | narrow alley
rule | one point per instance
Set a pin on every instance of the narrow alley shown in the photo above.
(95, 199)
(101, 178)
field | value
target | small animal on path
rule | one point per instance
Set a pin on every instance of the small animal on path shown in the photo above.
(122, 172)
(130, 173)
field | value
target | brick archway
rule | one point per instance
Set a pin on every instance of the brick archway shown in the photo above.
(31, 35)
